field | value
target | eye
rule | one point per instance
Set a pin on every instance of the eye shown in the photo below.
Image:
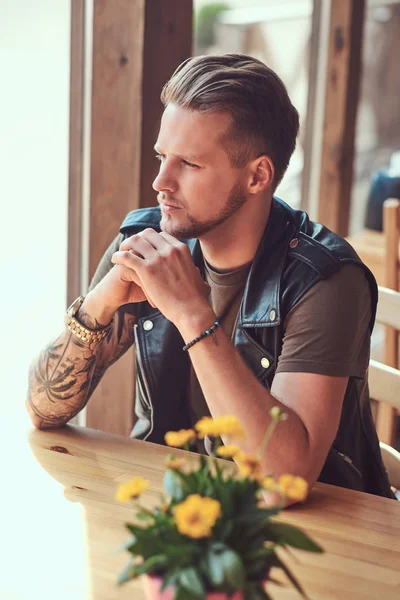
(188, 164)
(160, 157)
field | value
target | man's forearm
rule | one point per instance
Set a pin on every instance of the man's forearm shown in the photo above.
(229, 387)
(65, 374)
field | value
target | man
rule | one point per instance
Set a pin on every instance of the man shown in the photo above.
(257, 306)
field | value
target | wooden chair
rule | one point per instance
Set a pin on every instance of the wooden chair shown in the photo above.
(372, 246)
(386, 417)
(384, 379)
(391, 460)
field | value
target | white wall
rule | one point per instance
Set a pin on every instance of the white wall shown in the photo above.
(34, 123)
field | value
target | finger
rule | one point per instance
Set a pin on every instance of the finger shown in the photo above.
(127, 258)
(130, 275)
(158, 241)
(139, 246)
(171, 239)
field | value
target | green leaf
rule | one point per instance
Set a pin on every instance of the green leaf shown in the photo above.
(287, 534)
(151, 564)
(143, 516)
(255, 591)
(181, 593)
(276, 562)
(225, 565)
(173, 485)
(169, 579)
(190, 579)
(126, 574)
(215, 566)
(128, 545)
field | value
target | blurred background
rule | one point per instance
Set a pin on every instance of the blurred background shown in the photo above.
(80, 111)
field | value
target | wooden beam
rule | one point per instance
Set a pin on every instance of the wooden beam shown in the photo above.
(77, 65)
(167, 43)
(136, 47)
(341, 101)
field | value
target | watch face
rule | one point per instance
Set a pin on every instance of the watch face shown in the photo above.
(75, 306)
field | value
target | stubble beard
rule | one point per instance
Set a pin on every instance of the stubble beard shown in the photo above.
(196, 229)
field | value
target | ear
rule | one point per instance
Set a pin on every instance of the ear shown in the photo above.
(261, 175)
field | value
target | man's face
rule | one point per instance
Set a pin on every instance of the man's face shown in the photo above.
(197, 188)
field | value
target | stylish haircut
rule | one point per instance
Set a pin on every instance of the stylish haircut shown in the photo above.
(264, 121)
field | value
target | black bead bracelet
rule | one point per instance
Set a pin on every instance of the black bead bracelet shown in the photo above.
(205, 333)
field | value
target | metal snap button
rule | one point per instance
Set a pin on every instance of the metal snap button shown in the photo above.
(265, 363)
(272, 315)
(294, 243)
(148, 325)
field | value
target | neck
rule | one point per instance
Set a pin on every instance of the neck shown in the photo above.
(234, 243)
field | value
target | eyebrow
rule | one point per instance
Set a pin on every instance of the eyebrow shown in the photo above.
(187, 157)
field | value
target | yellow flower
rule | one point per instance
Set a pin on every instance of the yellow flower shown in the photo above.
(179, 438)
(131, 489)
(196, 516)
(269, 483)
(175, 463)
(229, 451)
(294, 488)
(227, 425)
(250, 466)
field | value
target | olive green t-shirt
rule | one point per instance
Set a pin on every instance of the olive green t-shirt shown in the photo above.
(325, 333)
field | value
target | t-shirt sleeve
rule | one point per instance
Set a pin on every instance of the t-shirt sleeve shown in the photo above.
(327, 331)
(105, 265)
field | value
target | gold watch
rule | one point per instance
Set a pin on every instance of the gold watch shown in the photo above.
(82, 332)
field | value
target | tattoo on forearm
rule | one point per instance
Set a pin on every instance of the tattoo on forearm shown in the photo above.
(66, 373)
(88, 321)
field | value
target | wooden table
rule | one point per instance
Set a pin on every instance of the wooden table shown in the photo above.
(61, 524)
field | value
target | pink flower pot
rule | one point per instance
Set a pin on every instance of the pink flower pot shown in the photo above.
(152, 586)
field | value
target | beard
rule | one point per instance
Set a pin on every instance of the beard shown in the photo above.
(195, 228)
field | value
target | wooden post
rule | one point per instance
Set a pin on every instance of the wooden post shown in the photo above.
(167, 43)
(136, 47)
(341, 101)
(75, 149)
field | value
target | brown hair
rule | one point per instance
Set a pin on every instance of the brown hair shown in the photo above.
(264, 121)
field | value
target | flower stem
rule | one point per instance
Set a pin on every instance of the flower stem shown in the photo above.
(267, 437)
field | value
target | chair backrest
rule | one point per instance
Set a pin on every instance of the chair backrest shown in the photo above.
(391, 460)
(391, 230)
(384, 379)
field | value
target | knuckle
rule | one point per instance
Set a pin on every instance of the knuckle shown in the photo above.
(126, 244)
(172, 251)
(183, 249)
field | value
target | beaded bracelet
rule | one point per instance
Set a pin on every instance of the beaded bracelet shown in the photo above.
(205, 333)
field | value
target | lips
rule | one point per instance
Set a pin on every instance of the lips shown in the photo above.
(166, 203)
(168, 208)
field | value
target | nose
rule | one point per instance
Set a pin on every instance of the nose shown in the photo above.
(165, 180)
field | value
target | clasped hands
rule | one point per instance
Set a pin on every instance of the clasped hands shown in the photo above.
(163, 268)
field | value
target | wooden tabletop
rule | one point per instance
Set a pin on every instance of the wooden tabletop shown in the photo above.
(60, 523)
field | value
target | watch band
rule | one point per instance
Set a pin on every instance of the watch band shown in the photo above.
(80, 331)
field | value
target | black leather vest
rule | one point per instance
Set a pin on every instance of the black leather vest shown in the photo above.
(293, 255)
